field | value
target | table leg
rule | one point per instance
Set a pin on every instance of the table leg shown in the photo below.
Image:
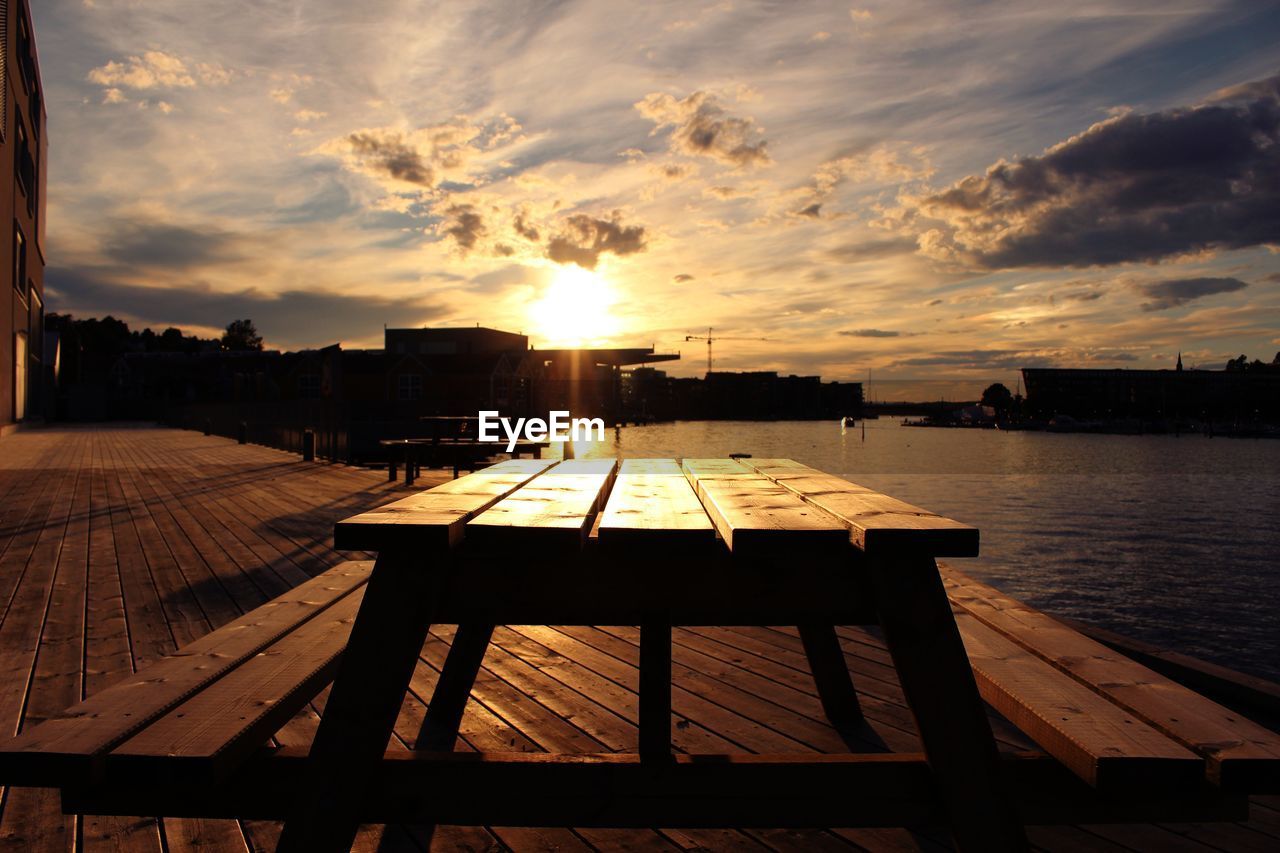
(938, 683)
(831, 676)
(363, 704)
(410, 462)
(655, 690)
(439, 728)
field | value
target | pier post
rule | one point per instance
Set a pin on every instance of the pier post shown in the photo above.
(308, 445)
(244, 432)
(208, 426)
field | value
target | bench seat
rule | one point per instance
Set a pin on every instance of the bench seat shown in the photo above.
(206, 707)
(1110, 719)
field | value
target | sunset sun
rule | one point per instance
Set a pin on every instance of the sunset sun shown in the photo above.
(575, 308)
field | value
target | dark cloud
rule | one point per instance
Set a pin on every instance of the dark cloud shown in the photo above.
(869, 333)
(933, 302)
(870, 250)
(682, 278)
(813, 211)
(700, 127)
(293, 318)
(465, 225)
(675, 171)
(1173, 292)
(525, 230)
(1273, 277)
(1138, 187)
(143, 244)
(1083, 295)
(979, 358)
(583, 239)
(388, 152)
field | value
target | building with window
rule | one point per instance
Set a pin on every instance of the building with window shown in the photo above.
(24, 146)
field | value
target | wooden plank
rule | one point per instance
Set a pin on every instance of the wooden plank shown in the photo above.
(209, 734)
(64, 747)
(436, 517)
(1101, 743)
(652, 505)
(755, 515)
(878, 524)
(554, 510)
(1240, 754)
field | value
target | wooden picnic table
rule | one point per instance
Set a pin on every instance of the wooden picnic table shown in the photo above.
(655, 543)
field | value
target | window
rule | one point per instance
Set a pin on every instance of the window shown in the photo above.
(24, 165)
(19, 376)
(410, 386)
(26, 52)
(19, 261)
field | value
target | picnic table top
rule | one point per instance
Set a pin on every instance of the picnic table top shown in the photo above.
(747, 506)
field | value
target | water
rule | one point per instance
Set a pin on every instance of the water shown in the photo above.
(1175, 541)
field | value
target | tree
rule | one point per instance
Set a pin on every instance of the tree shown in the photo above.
(241, 335)
(998, 397)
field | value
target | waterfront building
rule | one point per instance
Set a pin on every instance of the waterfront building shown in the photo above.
(24, 146)
(1244, 395)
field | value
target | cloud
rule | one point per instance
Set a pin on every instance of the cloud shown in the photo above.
(674, 171)
(426, 155)
(682, 278)
(813, 211)
(700, 127)
(465, 225)
(387, 152)
(524, 229)
(291, 318)
(1136, 187)
(152, 244)
(583, 239)
(1170, 293)
(869, 333)
(154, 69)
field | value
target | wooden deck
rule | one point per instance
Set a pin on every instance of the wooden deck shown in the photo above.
(119, 544)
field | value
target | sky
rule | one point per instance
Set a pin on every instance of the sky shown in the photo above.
(934, 194)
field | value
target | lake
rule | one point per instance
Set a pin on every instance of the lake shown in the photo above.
(1172, 540)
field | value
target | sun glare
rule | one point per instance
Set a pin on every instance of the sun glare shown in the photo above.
(575, 309)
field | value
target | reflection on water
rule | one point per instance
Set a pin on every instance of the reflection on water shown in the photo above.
(1171, 540)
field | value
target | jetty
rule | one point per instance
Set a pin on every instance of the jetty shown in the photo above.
(121, 544)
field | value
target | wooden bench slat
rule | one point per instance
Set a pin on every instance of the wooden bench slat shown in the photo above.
(755, 515)
(555, 510)
(65, 747)
(436, 517)
(878, 524)
(652, 504)
(1101, 743)
(1240, 754)
(211, 733)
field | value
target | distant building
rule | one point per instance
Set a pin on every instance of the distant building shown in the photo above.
(1218, 395)
(752, 395)
(24, 147)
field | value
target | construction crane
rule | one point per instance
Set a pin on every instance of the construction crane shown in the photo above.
(710, 340)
